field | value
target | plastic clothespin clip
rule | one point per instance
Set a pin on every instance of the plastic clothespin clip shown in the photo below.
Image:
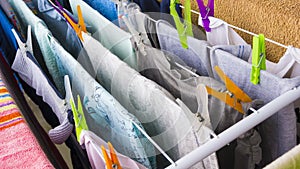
(78, 27)
(183, 29)
(258, 58)
(205, 12)
(79, 118)
(112, 162)
(135, 35)
(27, 46)
(233, 96)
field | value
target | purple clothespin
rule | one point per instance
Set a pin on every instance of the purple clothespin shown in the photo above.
(63, 10)
(205, 12)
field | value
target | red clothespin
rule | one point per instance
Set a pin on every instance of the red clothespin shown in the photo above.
(205, 12)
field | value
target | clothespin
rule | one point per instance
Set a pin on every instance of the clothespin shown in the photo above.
(78, 27)
(233, 96)
(137, 38)
(27, 46)
(258, 58)
(183, 29)
(205, 12)
(79, 118)
(112, 162)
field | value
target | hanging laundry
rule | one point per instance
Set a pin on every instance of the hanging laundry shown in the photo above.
(30, 72)
(10, 14)
(107, 8)
(92, 144)
(106, 117)
(288, 65)
(8, 44)
(108, 34)
(143, 98)
(221, 33)
(41, 33)
(19, 148)
(198, 49)
(59, 27)
(279, 131)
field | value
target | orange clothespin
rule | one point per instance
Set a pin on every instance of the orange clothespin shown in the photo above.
(112, 162)
(78, 27)
(233, 96)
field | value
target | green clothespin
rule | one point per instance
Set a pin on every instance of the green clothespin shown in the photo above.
(184, 29)
(258, 58)
(79, 118)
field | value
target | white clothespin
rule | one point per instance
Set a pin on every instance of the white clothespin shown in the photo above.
(27, 46)
(136, 36)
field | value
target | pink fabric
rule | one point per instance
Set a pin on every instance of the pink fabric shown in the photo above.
(93, 143)
(18, 146)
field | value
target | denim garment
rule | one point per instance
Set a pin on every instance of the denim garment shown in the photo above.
(105, 116)
(108, 34)
(279, 131)
(107, 8)
(41, 32)
(59, 27)
(8, 42)
(196, 56)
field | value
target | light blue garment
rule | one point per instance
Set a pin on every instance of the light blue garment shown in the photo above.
(196, 56)
(105, 7)
(108, 34)
(41, 32)
(279, 131)
(105, 115)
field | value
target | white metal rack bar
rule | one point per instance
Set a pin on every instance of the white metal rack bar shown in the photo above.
(236, 130)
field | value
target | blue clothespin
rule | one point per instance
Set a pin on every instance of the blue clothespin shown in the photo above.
(258, 58)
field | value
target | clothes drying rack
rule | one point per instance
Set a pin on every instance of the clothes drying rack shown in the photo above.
(236, 130)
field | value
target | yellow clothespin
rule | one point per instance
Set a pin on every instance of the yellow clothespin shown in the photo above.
(79, 118)
(233, 96)
(112, 162)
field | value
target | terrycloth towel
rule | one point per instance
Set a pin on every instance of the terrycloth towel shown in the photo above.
(18, 146)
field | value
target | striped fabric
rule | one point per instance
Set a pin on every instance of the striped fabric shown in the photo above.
(18, 146)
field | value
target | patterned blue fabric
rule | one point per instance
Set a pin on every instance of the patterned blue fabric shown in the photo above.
(105, 115)
(105, 7)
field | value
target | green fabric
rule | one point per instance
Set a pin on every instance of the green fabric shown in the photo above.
(183, 29)
(258, 58)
